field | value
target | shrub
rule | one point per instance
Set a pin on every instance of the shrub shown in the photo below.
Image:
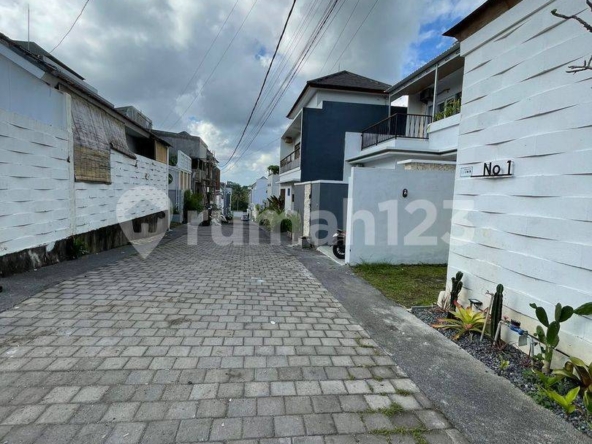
(192, 201)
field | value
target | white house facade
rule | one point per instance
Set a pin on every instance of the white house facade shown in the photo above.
(523, 192)
(66, 159)
(400, 171)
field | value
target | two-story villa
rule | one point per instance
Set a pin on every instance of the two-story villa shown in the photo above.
(312, 147)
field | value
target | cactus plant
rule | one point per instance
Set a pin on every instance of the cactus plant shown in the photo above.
(457, 286)
(496, 308)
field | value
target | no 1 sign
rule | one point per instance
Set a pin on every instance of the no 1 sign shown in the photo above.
(490, 169)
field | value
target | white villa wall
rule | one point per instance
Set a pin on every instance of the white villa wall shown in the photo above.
(273, 185)
(381, 224)
(344, 96)
(531, 232)
(35, 182)
(96, 203)
(259, 192)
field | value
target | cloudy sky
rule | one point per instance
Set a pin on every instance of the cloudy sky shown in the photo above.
(153, 54)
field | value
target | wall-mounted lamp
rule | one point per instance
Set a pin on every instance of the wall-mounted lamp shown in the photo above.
(405, 192)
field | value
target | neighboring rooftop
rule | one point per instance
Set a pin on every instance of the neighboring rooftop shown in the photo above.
(480, 17)
(447, 62)
(34, 48)
(343, 81)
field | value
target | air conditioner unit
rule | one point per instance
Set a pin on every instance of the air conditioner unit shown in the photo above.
(426, 95)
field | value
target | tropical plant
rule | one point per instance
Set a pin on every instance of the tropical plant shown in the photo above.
(464, 320)
(451, 108)
(547, 381)
(496, 309)
(192, 201)
(79, 247)
(457, 286)
(565, 401)
(173, 160)
(582, 376)
(549, 339)
(275, 203)
(273, 169)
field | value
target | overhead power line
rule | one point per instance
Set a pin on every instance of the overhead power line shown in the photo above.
(71, 27)
(264, 81)
(305, 53)
(338, 39)
(202, 60)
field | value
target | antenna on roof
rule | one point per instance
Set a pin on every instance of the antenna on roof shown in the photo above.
(28, 27)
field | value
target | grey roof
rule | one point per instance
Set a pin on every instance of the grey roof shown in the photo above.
(454, 48)
(348, 81)
(34, 48)
(344, 81)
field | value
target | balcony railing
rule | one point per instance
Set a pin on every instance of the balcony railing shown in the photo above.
(411, 126)
(290, 162)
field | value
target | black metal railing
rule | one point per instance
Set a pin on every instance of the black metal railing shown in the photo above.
(291, 161)
(411, 126)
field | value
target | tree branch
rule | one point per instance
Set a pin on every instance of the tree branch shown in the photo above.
(587, 65)
(575, 17)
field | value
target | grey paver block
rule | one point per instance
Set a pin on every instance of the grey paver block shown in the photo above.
(60, 395)
(333, 388)
(211, 408)
(349, 423)
(160, 432)
(256, 389)
(226, 429)
(326, 404)
(407, 420)
(319, 424)
(258, 427)
(57, 413)
(58, 433)
(121, 412)
(24, 435)
(194, 430)
(89, 413)
(289, 425)
(182, 410)
(283, 389)
(298, 405)
(126, 433)
(243, 407)
(151, 411)
(270, 406)
(90, 394)
(377, 421)
(204, 391)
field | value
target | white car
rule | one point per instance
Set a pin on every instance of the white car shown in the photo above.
(245, 217)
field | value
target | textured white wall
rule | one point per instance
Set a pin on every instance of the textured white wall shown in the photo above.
(96, 203)
(531, 232)
(34, 182)
(381, 223)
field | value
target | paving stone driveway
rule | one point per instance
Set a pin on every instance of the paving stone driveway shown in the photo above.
(201, 343)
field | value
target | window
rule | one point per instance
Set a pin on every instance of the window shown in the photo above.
(288, 191)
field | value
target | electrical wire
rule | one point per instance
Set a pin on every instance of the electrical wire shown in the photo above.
(263, 84)
(202, 60)
(338, 39)
(71, 27)
(304, 54)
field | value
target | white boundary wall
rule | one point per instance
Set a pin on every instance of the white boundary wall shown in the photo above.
(531, 232)
(382, 226)
(39, 201)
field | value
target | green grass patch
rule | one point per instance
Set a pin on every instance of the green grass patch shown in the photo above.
(407, 285)
(391, 410)
(416, 433)
(402, 392)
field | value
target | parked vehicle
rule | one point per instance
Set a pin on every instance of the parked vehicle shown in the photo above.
(339, 244)
(245, 217)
